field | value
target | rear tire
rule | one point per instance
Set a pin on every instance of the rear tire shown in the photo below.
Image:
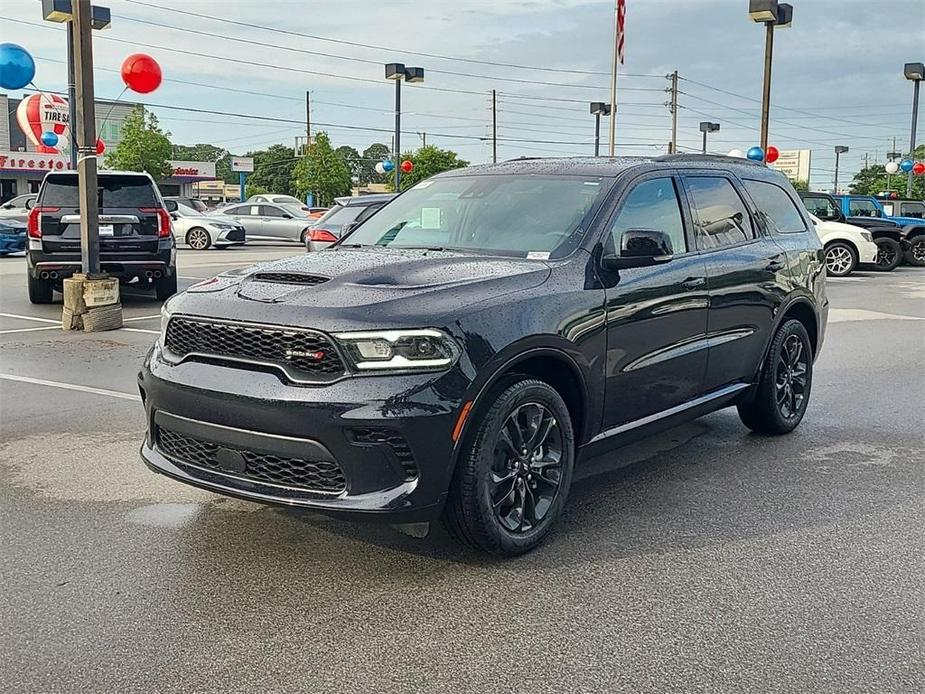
(502, 500)
(841, 259)
(165, 287)
(916, 253)
(40, 291)
(786, 381)
(889, 254)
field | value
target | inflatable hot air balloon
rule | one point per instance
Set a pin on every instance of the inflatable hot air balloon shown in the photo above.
(41, 113)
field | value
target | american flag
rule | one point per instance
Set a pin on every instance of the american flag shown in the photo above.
(621, 20)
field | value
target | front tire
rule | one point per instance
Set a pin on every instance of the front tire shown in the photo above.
(889, 254)
(782, 395)
(841, 259)
(916, 253)
(514, 472)
(40, 291)
(198, 239)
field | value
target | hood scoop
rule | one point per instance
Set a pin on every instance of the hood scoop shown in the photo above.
(272, 287)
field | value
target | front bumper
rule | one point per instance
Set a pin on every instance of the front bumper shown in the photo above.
(389, 436)
(867, 252)
(228, 237)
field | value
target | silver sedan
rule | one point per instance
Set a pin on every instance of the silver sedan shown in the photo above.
(201, 231)
(271, 222)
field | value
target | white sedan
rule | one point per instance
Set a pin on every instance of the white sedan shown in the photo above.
(845, 246)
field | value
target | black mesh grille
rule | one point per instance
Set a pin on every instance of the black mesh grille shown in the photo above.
(302, 354)
(312, 475)
(392, 439)
(289, 278)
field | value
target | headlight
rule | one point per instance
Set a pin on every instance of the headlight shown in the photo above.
(166, 313)
(395, 350)
(867, 236)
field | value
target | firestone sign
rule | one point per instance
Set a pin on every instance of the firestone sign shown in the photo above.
(31, 162)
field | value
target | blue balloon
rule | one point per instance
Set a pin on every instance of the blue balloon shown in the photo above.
(49, 139)
(906, 165)
(388, 164)
(755, 154)
(17, 68)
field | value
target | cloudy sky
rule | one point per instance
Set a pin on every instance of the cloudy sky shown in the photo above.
(837, 71)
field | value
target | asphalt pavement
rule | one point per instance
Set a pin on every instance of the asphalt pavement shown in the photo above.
(705, 560)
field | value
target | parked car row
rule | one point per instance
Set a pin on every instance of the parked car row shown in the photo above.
(898, 239)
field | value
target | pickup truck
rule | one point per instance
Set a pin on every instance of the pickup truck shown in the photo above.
(913, 241)
(887, 234)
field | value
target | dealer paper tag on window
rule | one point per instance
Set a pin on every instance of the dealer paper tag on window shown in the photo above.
(430, 217)
(538, 255)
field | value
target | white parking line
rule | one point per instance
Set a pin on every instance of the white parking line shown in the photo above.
(141, 330)
(71, 386)
(126, 320)
(39, 320)
(30, 330)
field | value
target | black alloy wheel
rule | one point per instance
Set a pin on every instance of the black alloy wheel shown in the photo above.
(889, 254)
(514, 469)
(777, 403)
(916, 253)
(792, 378)
(527, 469)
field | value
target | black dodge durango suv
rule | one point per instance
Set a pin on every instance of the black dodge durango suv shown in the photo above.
(459, 353)
(136, 234)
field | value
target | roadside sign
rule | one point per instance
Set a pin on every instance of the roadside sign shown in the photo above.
(795, 164)
(242, 164)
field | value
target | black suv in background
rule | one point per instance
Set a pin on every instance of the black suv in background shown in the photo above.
(136, 236)
(465, 348)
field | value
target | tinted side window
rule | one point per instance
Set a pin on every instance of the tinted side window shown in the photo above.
(720, 216)
(821, 207)
(913, 209)
(270, 211)
(652, 204)
(862, 208)
(774, 202)
(112, 191)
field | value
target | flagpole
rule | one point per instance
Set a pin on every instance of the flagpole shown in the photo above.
(613, 78)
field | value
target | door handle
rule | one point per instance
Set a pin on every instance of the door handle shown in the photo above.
(693, 282)
(774, 266)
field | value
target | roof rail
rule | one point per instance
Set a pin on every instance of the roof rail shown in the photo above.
(696, 157)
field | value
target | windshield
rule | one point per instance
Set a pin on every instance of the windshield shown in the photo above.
(503, 214)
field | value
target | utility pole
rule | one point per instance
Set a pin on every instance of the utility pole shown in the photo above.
(674, 113)
(866, 159)
(86, 140)
(397, 151)
(308, 120)
(72, 97)
(494, 127)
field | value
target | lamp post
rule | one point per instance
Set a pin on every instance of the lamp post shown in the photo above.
(839, 150)
(707, 127)
(598, 109)
(916, 73)
(772, 14)
(59, 11)
(398, 72)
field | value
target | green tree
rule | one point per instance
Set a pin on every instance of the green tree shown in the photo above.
(273, 169)
(800, 186)
(144, 146)
(206, 152)
(428, 161)
(373, 154)
(351, 159)
(874, 179)
(252, 189)
(322, 172)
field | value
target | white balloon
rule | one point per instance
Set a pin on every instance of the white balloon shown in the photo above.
(380, 169)
(738, 153)
(892, 167)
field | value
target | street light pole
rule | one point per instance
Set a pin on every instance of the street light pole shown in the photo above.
(398, 72)
(839, 150)
(772, 14)
(916, 73)
(707, 127)
(598, 109)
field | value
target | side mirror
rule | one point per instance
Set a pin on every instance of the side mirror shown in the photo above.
(287, 216)
(174, 216)
(30, 203)
(7, 206)
(640, 248)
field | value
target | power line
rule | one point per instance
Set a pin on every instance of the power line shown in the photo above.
(390, 49)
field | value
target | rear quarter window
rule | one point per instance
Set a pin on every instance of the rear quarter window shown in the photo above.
(776, 205)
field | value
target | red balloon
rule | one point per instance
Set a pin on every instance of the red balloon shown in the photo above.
(407, 166)
(918, 168)
(100, 147)
(772, 154)
(141, 73)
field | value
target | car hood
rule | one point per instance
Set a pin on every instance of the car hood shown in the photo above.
(344, 289)
(823, 228)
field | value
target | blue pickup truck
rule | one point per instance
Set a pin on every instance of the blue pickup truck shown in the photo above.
(912, 239)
